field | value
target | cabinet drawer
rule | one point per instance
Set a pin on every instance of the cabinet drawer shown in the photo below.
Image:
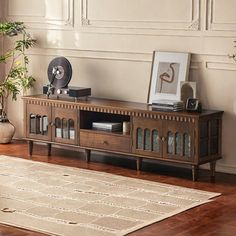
(105, 141)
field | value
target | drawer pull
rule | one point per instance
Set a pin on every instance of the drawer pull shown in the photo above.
(105, 142)
(163, 139)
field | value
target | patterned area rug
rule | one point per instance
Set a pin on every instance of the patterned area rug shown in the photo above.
(59, 200)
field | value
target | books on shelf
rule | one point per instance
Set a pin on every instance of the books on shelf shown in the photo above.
(107, 126)
(168, 105)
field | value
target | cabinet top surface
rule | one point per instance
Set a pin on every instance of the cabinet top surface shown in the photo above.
(116, 104)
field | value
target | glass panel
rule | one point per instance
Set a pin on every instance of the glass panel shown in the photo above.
(203, 129)
(178, 144)
(38, 124)
(214, 127)
(155, 141)
(187, 145)
(65, 130)
(58, 128)
(214, 145)
(170, 139)
(71, 129)
(147, 141)
(139, 138)
(32, 128)
(44, 125)
(203, 147)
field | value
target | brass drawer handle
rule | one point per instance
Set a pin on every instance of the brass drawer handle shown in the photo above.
(105, 142)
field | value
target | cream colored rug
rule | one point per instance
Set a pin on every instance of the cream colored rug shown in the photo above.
(60, 200)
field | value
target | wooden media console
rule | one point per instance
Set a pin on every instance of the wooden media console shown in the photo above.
(174, 137)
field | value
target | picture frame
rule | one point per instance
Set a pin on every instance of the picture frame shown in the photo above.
(168, 70)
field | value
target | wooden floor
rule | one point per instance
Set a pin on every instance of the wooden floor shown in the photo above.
(214, 218)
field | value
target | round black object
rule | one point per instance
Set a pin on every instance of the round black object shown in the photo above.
(59, 72)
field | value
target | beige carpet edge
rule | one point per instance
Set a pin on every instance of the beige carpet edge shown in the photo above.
(125, 232)
(159, 219)
(31, 228)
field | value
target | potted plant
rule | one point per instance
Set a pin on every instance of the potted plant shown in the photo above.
(16, 77)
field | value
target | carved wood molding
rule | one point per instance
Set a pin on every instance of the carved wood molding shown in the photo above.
(111, 110)
(51, 103)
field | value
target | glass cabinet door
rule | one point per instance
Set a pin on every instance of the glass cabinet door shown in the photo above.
(147, 137)
(64, 125)
(178, 140)
(38, 118)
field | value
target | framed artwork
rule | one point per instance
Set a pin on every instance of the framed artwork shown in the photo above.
(168, 70)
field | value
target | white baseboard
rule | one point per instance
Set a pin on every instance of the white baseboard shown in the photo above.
(229, 169)
(226, 169)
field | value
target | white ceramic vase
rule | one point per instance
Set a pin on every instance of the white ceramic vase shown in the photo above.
(7, 130)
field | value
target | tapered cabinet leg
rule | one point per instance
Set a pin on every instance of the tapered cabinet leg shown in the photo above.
(213, 168)
(31, 144)
(194, 172)
(139, 162)
(87, 154)
(49, 149)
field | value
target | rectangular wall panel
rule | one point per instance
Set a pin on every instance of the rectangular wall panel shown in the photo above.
(33, 8)
(41, 13)
(221, 16)
(142, 14)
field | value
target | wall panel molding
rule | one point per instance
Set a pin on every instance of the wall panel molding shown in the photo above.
(198, 61)
(214, 65)
(217, 19)
(185, 15)
(42, 15)
(195, 64)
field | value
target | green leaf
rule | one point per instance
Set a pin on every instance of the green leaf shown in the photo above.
(17, 78)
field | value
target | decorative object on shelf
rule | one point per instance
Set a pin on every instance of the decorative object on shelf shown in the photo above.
(59, 76)
(188, 90)
(126, 127)
(194, 105)
(168, 69)
(107, 126)
(16, 77)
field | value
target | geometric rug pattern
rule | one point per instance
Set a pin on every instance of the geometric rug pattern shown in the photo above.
(68, 201)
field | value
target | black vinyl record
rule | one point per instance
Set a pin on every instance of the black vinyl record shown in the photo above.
(59, 72)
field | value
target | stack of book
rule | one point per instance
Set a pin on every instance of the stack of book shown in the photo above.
(168, 105)
(107, 126)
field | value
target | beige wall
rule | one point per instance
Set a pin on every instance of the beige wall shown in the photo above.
(1, 43)
(110, 45)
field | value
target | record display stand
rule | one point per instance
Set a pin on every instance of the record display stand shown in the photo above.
(59, 76)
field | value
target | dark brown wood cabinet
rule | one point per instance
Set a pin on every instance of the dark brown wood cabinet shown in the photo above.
(174, 137)
(165, 139)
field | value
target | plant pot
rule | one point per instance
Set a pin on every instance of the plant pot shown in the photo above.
(7, 130)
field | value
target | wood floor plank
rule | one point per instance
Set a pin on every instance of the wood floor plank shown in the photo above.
(214, 218)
